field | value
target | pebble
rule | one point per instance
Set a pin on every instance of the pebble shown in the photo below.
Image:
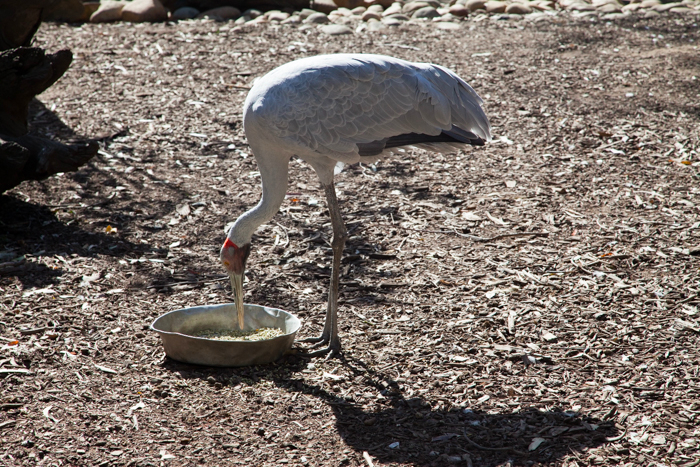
(683, 10)
(343, 20)
(610, 8)
(305, 13)
(377, 8)
(317, 18)
(410, 7)
(459, 10)
(111, 10)
(581, 6)
(631, 7)
(253, 13)
(141, 11)
(376, 26)
(666, 6)
(426, 12)
(518, 8)
(360, 10)
(367, 15)
(649, 3)
(495, 6)
(393, 9)
(392, 20)
(276, 15)
(294, 19)
(336, 29)
(473, 5)
(222, 13)
(651, 14)
(186, 12)
(324, 6)
(399, 17)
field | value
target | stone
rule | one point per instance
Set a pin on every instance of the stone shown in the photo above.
(253, 13)
(305, 13)
(610, 8)
(682, 10)
(518, 8)
(393, 9)
(336, 29)
(410, 7)
(651, 14)
(111, 10)
(88, 9)
(473, 5)
(666, 6)
(399, 17)
(359, 11)
(324, 6)
(376, 26)
(427, 12)
(276, 15)
(317, 18)
(459, 10)
(581, 6)
(649, 3)
(376, 8)
(223, 13)
(186, 12)
(632, 7)
(541, 6)
(294, 19)
(392, 21)
(384, 3)
(143, 11)
(495, 6)
(371, 15)
(69, 11)
(346, 20)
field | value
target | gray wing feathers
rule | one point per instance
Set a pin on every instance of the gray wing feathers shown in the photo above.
(331, 108)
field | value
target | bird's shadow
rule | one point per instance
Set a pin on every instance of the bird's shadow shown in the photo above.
(421, 431)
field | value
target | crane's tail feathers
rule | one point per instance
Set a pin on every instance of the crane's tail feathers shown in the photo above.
(455, 138)
(458, 100)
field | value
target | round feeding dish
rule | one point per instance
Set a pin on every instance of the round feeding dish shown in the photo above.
(178, 329)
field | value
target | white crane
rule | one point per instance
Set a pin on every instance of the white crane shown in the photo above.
(331, 110)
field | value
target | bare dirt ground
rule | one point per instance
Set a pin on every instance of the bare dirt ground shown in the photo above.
(576, 345)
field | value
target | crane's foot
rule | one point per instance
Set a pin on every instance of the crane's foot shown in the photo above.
(333, 350)
(322, 339)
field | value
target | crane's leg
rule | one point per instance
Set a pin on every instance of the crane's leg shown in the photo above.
(340, 235)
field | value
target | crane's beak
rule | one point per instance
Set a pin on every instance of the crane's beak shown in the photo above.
(234, 258)
(237, 287)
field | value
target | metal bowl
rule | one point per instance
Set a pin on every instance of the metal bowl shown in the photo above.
(176, 329)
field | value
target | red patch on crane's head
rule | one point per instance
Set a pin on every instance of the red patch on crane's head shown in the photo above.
(234, 257)
(229, 243)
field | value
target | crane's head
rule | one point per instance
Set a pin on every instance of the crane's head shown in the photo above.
(234, 257)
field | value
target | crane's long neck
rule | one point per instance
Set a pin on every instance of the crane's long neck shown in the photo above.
(274, 173)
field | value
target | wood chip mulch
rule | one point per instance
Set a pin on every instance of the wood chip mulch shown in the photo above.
(534, 302)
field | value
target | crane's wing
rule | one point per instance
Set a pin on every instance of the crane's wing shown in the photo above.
(346, 106)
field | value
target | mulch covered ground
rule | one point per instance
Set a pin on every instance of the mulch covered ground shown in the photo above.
(534, 302)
